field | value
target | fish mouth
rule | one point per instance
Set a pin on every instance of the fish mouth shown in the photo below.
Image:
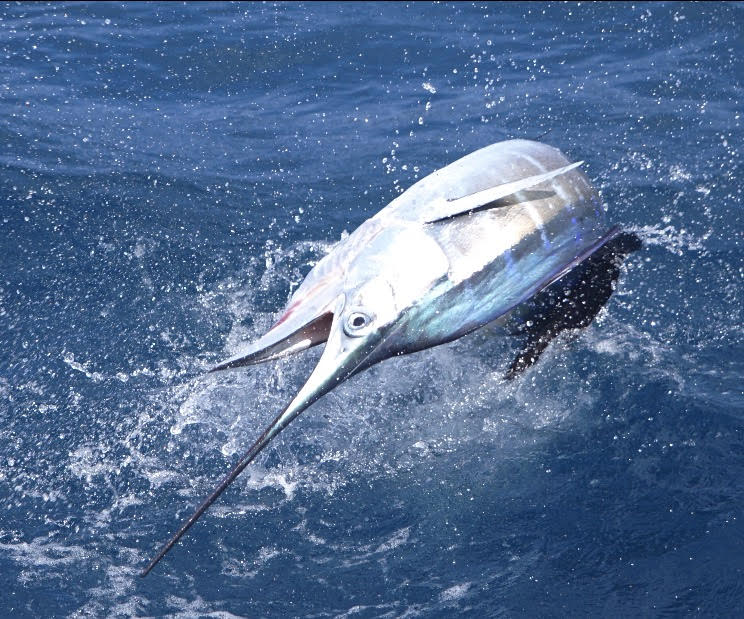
(305, 323)
(277, 343)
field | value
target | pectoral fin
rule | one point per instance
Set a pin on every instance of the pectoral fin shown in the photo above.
(446, 209)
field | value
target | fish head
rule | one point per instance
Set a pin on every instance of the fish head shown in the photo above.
(355, 300)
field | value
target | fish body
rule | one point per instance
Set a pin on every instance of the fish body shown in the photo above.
(498, 256)
(457, 250)
(449, 275)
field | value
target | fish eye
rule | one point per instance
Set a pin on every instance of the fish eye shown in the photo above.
(356, 322)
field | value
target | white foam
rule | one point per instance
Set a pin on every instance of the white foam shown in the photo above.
(455, 592)
(69, 359)
(674, 240)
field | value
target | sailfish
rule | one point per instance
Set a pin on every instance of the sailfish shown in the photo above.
(459, 249)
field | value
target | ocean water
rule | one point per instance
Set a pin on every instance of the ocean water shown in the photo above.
(170, 172)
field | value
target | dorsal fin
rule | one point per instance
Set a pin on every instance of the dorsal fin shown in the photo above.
(446, 209)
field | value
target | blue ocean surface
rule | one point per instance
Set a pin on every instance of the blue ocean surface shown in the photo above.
(168, 175)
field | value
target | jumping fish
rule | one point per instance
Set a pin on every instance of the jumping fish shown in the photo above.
(457, 250)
